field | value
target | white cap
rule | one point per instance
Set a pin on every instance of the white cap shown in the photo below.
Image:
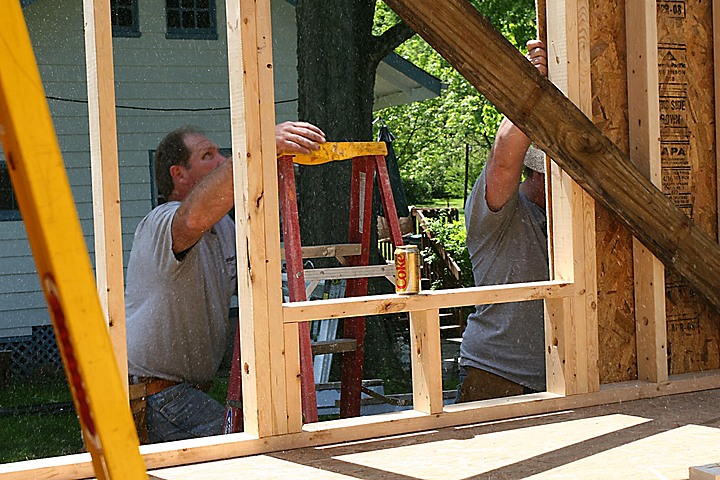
(535, 160)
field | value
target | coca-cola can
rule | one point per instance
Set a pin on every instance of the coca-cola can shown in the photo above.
(407, 269)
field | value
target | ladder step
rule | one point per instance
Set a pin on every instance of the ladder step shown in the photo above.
(327, 251)
(339, 345)
(360, 271)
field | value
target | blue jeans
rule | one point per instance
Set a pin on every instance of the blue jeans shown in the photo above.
(476, 384)
(182, 411)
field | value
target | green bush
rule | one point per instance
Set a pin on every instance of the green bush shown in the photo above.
(452, 236)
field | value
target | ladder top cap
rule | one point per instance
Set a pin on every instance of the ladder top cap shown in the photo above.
(335, 151)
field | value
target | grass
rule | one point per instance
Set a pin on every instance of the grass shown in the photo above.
(31, 435)
(25, 437)
(26, 434)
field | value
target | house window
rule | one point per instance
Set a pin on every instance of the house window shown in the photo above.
(8, 203)
(124, 18)
(191, 19)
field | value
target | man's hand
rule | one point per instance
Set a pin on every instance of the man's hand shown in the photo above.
(297, 137)
(537, 55)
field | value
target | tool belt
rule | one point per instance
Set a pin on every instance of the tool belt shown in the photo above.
(142, 387)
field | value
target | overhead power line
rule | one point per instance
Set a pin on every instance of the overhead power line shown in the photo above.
(159, 109)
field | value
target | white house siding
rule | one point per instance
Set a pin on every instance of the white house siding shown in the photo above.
(150, 72)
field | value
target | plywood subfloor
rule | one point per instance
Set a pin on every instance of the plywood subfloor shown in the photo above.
(646, 439)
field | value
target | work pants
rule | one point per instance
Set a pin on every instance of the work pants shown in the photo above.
(476, 384)
(182, 411)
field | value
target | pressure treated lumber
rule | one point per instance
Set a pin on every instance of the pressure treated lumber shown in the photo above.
(470, 43)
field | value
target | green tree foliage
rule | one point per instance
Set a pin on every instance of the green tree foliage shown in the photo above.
(451, 235)
(433, 137)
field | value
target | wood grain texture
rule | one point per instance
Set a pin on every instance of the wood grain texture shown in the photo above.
(616, 310)
(687, 137)
(105, 174)
(351, 429)
(426, 361)
(571, 324)
(644, 148)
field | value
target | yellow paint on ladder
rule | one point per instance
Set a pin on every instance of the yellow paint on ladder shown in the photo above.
(48, 210)
(334, 151)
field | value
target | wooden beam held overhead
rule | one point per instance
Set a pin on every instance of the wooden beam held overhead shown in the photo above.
(495, 67)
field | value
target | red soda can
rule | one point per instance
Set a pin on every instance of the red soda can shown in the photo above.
(407, 269)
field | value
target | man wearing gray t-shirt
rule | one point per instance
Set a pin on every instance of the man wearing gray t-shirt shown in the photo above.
(502, 351)
(181, 277)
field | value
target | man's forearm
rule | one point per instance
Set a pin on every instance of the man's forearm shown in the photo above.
(207, 203)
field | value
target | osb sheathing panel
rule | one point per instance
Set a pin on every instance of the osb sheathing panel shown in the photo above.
(688, 175)
(687, 136)
(616, 317)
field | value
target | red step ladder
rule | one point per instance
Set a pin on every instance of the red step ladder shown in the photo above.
(368, 163)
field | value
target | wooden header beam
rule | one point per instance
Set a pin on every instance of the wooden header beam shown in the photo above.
(495, 67)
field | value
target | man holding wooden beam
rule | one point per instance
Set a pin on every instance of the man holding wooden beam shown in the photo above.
(181, 277)
(502, 351)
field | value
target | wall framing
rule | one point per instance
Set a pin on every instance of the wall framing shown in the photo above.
(269, 328)
(105, 174)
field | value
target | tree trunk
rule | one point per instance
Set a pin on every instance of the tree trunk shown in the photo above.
(336, 79)
(337, 62)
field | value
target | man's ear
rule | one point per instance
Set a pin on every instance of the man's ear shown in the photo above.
(177, 173)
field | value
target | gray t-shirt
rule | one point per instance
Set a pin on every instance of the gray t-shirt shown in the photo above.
(509, 246)
(177, 311)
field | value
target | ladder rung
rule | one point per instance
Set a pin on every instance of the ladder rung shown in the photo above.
(360, 271)
(338, 345)
(327, 251)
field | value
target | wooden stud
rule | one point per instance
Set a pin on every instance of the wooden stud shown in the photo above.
(263, 337)
(571, 324)
(293, 378)
(644, 130)
(426, 361)
(281, 358)
(105, 174)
